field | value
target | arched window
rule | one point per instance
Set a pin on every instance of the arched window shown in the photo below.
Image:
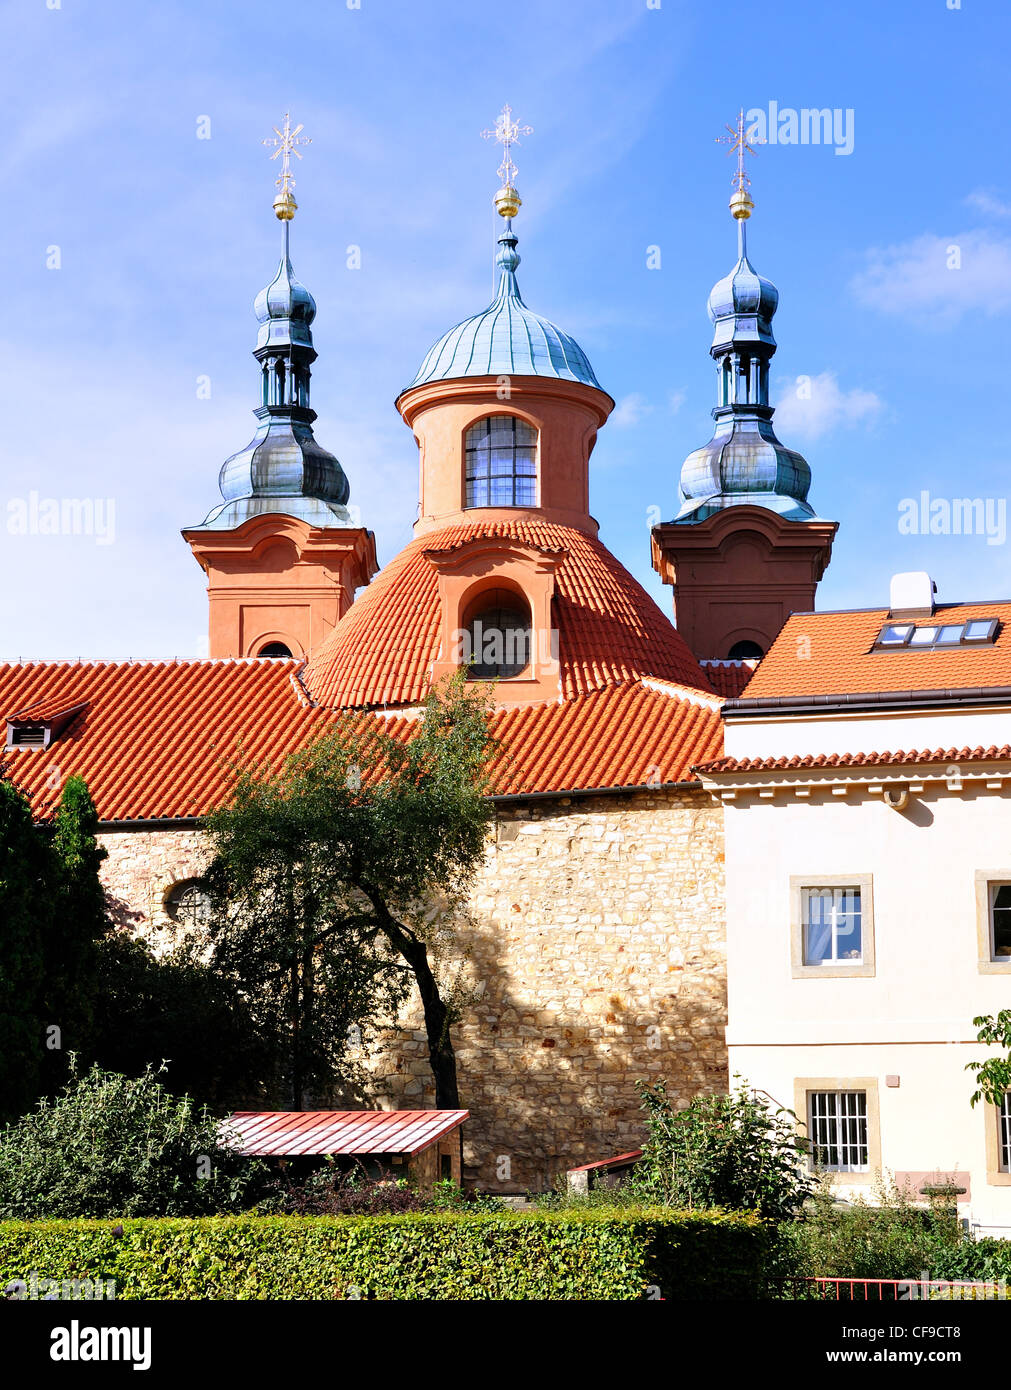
(188, 903)
(497, 637)
(744, 651)
(501, 467)
(274, 649)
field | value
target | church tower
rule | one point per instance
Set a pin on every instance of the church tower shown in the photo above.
(282, 552)
(746, 548)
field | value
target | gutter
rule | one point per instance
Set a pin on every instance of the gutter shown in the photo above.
(867, 701)
(111, 827)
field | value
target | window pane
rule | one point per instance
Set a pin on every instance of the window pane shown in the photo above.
(895, 635)
(1000, 920)
(500, 450)
(923, 636)
(950, 636)
(832, 926)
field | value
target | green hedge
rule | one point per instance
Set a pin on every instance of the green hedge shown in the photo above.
(597, 1254)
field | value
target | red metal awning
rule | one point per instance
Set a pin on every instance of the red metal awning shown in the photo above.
(285, 1132)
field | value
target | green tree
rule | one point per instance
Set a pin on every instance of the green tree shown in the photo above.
(26, 870)
(75, 925)
(346, 865)
(178, 1011)
(993, 1077)
(731, 1150)
(113, 1145)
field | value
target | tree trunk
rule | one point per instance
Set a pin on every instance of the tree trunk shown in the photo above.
(440, 1044)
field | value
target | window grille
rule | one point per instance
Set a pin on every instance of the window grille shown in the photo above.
(189, 904)
(837, 1128)
(501, 467)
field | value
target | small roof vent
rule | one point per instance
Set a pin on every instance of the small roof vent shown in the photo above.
(911, 594)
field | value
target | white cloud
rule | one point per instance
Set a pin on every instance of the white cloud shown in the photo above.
(935, 279)
(630, 410)
(814, 405)
(676, 400)
(986, 201)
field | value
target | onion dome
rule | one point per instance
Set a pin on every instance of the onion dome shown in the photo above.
(283, 469)
(507, 338)
(744, 462)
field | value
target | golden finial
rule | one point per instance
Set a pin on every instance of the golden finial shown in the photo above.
(741, 143)
(507, 132)
(287, 142)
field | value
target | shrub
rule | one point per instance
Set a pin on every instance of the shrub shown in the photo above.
(634, 1254)
(730, 1151)
(892, 1239)
(112, 1145)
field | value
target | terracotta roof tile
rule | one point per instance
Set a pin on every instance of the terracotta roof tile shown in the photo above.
(156, 736)
(830, 654)
(728, 678)
(155, 739)
(610, 630)
(904, 757)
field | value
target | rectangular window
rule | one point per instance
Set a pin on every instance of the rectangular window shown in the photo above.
(1004, 1127)
(832, 926)
(837, 1129)
(1000, 921)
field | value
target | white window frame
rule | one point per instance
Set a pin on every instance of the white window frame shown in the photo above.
(800, 886)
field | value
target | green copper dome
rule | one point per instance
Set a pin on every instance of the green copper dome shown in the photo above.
(507, 338)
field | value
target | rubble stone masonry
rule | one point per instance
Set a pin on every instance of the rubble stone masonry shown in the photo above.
(596, 956)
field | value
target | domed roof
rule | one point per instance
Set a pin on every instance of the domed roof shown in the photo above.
(609, 629)
(506, 339)
(742, 305)
(744, 463)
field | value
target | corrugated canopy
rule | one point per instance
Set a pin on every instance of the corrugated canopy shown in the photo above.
(278, 1133)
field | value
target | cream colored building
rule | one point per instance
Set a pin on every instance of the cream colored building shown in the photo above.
(865, 787)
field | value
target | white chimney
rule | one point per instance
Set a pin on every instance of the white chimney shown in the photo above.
(911, 594)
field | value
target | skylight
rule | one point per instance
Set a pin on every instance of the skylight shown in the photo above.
(980, 632)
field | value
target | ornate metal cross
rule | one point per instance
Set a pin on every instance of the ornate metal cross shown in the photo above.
(507, 133)
(741, 143)
(287, 143)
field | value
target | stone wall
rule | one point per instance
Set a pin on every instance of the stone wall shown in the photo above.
(596, 956)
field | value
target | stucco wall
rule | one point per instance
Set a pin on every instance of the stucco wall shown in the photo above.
(596, 957)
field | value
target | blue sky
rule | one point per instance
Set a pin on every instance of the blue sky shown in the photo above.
(164, 240)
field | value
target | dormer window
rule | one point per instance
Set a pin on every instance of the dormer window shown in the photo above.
(498, 637)
(40, 724)
(501, 463)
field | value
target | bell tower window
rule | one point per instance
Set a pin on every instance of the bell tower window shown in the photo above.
(501, 464)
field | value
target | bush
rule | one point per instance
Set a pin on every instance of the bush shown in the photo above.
(730, 1151)
(635, 1254)
(111, 1145)
(892, 1239)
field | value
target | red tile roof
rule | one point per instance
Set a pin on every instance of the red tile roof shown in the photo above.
(624, 736)
(904, 757)
(156, 736)
(276, 1132)
(830, 654)
(728, 678)
(155, 739)
(610, 630)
